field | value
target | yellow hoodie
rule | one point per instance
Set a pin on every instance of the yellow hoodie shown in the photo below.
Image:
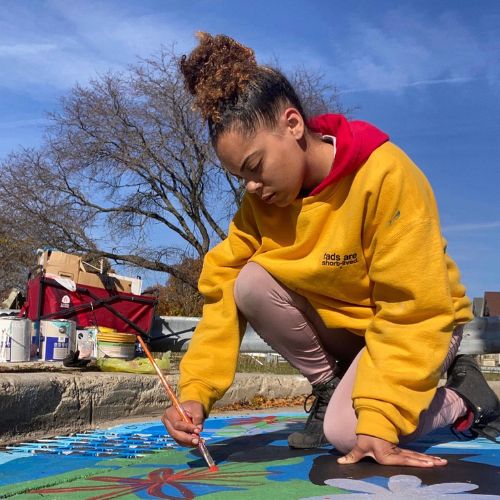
(368, 254)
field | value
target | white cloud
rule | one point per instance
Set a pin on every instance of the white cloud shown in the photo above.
(398, 48)
(30, 122)
(25, 49)
(119, 33)
(61, 43)
(471, 227)
(58, 43)
(404, 48)
(403, 85)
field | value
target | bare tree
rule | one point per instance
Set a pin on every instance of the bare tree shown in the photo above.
(177, 298)
(127, 171)
(25, 222)
(16, 259)
(317, 94)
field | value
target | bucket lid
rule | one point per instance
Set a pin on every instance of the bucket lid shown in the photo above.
(106, 329)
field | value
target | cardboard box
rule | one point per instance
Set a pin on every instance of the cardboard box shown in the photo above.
(135, 283)
(104, 281)
(60, 264)
(71, 266)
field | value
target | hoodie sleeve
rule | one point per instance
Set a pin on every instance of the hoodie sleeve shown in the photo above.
(408, 339)
(208, 367)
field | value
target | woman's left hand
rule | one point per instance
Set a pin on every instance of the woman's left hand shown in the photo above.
(386, 453)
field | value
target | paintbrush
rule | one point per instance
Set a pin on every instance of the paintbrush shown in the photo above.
(180, 410)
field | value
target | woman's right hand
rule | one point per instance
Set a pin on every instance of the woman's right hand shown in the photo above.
(183, 433)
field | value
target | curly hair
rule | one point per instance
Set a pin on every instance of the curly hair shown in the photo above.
(231, 90)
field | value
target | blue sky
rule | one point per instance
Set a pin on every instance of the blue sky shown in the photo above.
(427, 72)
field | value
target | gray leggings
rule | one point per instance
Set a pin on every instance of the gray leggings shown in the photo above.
(288, 323)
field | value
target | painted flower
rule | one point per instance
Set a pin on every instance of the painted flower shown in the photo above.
(163, 483)
(401, 487)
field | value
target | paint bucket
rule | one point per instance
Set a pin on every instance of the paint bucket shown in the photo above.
(113, 344)
(86, 342)
(15, 339)
(57, 338)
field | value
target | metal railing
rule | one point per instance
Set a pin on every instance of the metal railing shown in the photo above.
(173, 333)
(481, 335)
(490, 369)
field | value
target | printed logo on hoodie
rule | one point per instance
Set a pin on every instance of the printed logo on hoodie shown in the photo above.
(339, 261)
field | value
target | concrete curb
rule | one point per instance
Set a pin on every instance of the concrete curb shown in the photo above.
(41, 404)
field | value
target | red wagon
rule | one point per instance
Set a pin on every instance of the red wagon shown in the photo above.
(89, 306)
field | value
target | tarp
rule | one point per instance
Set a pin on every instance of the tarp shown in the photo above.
(89, 306)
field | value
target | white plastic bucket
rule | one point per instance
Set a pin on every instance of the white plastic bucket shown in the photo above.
(57, 338)
(15, 339)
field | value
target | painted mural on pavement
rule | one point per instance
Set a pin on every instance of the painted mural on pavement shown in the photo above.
(139, 461)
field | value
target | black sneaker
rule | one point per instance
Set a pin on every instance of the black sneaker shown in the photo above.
(466, 379)
(313, 436)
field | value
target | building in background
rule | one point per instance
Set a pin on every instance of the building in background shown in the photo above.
(489, 305)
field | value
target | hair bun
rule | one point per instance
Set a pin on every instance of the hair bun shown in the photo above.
(216, 71)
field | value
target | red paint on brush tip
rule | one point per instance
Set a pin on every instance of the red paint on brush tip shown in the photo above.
(213, 468)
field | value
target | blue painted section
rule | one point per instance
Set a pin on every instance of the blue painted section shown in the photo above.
(127, 443)
(21, 469)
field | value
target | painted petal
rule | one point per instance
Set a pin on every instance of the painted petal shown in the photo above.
(404, 483)
(342, 496)
(356, 485)
(451, 487)
(456, 496)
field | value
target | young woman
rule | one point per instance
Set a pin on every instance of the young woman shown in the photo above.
(336, 259)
